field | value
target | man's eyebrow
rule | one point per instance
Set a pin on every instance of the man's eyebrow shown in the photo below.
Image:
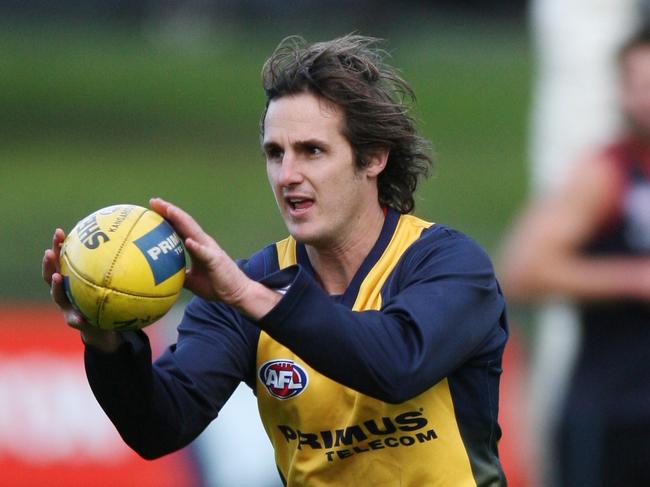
(303, 144)
(298, 144)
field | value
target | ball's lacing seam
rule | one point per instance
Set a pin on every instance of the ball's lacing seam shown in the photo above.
(109, 274)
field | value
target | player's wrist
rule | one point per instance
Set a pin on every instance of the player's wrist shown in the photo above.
(258, 300)
(103, 340)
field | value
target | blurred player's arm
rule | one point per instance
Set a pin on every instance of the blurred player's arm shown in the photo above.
(542, 256)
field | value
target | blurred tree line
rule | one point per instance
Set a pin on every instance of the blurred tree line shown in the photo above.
(383, 12)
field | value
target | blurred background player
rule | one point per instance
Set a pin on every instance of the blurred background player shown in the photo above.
(373, 339)
(573, 108)
(589, 240)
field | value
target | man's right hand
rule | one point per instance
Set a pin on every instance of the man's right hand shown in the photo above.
(107, 341)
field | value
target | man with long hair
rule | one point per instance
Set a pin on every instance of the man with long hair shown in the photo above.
(371, 338)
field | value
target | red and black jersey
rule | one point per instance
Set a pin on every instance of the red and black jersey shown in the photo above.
(610, 374)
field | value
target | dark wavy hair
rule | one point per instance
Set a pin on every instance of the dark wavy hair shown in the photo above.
(375, 100)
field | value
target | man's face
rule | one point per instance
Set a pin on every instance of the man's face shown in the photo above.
(310, 165)
(635, 89)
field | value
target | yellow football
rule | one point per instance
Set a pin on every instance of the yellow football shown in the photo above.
(123, 267)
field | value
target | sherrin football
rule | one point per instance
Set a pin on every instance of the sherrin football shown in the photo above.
(123, 267)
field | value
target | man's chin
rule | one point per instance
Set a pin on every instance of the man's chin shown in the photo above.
(305, 235)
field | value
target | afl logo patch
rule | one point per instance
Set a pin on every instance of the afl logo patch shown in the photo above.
(283, 378)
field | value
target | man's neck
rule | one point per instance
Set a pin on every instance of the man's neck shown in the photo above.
(336, 265)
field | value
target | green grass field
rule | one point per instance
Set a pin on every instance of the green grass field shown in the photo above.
(94, 117)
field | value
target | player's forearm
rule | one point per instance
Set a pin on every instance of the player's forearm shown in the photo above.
(120, 381)
(579, 278)
(125, 387)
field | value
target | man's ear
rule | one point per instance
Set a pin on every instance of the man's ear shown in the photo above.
(376, 162)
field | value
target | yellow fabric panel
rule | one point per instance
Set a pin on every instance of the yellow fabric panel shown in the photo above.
(286, 252)
(408, 231)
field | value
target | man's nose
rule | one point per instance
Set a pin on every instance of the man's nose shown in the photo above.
(290, 170)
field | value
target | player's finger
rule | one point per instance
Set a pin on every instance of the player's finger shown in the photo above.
(74, 319)
(50, 265)
(57, 241)
(182, 221)
(58, 292)
(71, 316)
(159, 205)
(205, 254)
(52, 255)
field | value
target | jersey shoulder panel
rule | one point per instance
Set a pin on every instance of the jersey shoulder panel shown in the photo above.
(261, 263)
(446, 249)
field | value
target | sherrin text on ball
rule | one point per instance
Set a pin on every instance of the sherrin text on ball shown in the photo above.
(123, 267)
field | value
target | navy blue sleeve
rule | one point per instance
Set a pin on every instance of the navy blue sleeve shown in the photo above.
(161, 407)
(442, 309)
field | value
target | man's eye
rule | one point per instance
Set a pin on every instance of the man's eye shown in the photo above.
(314, 150)
(274, 154)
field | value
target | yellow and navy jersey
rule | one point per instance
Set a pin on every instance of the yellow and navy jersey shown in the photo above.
(394, 382)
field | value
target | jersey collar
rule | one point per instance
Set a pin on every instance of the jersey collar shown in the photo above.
(350, 295)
